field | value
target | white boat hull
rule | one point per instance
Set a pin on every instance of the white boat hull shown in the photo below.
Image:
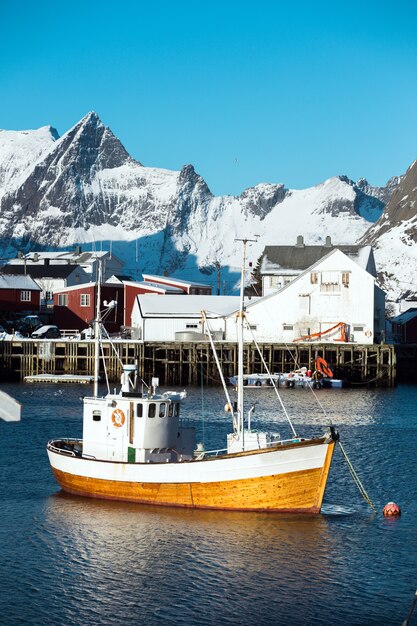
(287, 478)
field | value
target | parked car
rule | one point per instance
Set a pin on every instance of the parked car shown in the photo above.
(47, 332)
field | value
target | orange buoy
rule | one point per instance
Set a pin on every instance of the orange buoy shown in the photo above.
(391, 510)
(322, 366)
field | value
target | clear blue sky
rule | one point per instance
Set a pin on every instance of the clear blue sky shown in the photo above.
(248, 92)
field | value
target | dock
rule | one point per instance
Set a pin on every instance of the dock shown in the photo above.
(192, 362)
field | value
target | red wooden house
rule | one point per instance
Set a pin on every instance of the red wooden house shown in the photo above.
(18, 294)
(74, 307)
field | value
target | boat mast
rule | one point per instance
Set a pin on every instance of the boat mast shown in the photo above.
(241, 316)
(97, 332)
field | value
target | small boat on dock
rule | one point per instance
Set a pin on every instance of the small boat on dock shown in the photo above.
(136, 448)
(300, 379)
(59, 378)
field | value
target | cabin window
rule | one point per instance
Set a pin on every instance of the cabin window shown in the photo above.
(170, 409)
(96, 416)
(139, 410)
(162, 409)
(358, 328)
(84, 299)
(314, 278)
(152, 410)
(345, 278)
(287, 327)
(25, 296)
(62, 299)
(177, 409)
(191, 326)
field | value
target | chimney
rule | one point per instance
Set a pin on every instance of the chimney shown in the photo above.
(328, 242)
(300, 242)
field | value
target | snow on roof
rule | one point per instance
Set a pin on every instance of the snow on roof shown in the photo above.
(297, 258)
(14, 281)
(153, 278)
(405, 317)
(190, 306)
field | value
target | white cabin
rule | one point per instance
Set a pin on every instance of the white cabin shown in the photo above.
(136, 425)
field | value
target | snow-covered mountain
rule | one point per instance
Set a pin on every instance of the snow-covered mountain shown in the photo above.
(84, 188)
(394, 238)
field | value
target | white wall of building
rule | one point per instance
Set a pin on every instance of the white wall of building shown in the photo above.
(338, 291)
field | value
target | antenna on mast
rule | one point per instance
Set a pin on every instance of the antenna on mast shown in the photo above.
(241, 429)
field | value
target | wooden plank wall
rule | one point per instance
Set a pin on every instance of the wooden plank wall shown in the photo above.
(185, 363)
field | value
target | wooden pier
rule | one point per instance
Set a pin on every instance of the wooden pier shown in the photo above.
(187, 363)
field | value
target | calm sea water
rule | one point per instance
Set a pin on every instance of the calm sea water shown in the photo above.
(68, 560)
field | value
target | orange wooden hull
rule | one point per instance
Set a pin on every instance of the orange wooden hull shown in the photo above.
(293, 492)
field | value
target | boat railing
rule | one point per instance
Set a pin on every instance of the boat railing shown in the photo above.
(60, 450)
(270, 444)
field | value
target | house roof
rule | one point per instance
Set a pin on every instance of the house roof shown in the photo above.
(152, 278)
(119, 278)
(299, 257)
(43, 271)
(405, 317)
(89, 285)
(16, 281)
(332, 251)
(190, 306)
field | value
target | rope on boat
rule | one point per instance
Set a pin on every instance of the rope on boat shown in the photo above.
(406, 622)
(270, 377)
(356, 479)
(202, 396)
(226, 392)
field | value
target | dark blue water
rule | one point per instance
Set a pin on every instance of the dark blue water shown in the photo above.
(67, 560)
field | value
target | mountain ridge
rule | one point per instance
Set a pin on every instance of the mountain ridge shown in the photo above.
(85, 188)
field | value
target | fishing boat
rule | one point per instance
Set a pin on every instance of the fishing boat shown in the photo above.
(136, 448)
(301, 378)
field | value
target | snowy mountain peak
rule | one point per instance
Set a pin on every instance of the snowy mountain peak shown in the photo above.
(84, 187)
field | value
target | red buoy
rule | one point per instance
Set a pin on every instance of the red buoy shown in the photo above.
(391, 510)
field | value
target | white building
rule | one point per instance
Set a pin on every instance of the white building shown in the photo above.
(87, 260)
(335, 292)
(282, 264)
(161, 318)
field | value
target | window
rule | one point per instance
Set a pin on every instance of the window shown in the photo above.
(62, 299)
(330, 282)
(96, 416)
(84, 299)
(152, 410)
(139, 410)
(170, 409)
(358, 328)
(314, 278)
(162, 409)
(177, 409)
(191, 326)
(345, 278)
(25, 296)
(287, 327)
(274, 281)
(49, 295)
